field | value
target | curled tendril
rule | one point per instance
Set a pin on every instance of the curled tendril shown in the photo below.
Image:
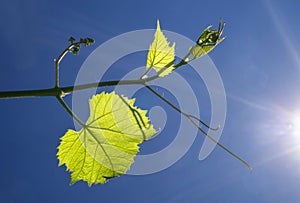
(75, 46)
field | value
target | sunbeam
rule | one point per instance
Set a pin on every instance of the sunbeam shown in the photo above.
(284, 35)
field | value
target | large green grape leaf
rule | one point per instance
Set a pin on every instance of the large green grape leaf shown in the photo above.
(160, 54)
(106, 146)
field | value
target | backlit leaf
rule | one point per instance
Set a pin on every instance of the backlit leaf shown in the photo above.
(160, 54)
(106, 146)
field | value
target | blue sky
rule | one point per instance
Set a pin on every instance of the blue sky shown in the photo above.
(259, 63)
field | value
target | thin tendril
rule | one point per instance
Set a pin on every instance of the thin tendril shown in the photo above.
(190, 118)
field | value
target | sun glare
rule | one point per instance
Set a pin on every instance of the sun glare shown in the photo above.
(295, 125)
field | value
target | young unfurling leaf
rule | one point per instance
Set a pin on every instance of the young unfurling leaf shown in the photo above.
(207, 41)
(106, 146)
(161, 55)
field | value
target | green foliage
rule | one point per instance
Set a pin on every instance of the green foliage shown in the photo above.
(161, 55)
(106, 146)
(207, 41)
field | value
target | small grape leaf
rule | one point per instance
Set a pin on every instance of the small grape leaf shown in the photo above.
(207, 41)
(198, 51)
(106, 146)
(161, 55)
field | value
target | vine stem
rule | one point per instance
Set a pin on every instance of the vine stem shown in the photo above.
(60, 92)
(67, 108)
(57, 62)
